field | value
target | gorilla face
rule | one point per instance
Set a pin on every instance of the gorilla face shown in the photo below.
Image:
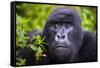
(63, 34)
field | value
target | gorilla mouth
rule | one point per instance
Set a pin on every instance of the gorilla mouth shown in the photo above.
(61, 47)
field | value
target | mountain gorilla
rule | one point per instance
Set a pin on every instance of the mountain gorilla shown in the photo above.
(66, 41)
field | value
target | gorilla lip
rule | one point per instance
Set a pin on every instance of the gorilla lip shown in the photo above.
(61, 47)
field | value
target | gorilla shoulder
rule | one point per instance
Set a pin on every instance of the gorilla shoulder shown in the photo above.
(88, 51)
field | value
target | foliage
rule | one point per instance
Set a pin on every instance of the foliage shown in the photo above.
(88, 18)
(38, 47)
(20, 61)
(33, 16)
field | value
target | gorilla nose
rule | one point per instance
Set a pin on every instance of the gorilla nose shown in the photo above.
(61, 37)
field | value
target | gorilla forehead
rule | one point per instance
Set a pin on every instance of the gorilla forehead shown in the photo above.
(64, 14)
(64, 11)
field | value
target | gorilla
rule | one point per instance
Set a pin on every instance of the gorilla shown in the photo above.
(66, 41)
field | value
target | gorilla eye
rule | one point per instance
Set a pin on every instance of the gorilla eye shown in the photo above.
(56, 25)
(68, 25)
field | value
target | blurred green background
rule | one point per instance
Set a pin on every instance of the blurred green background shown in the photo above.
(30, 16)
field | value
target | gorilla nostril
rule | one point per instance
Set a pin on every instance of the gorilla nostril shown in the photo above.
(58, 36)
(62, 37)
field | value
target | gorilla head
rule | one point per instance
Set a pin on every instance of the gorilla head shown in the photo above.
(63, 35)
